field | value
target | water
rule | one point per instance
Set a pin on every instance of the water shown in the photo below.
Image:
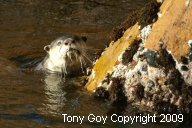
(30, 99)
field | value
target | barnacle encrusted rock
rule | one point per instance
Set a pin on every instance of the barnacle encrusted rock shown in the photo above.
(150, 66)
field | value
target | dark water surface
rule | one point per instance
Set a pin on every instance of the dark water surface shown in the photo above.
(29, 99)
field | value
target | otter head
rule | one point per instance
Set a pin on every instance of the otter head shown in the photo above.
(65, 51)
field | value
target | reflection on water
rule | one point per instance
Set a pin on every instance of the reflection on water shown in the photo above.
(29, 99)
(55, 95)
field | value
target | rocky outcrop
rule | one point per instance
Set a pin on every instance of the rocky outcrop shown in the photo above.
(150, 66)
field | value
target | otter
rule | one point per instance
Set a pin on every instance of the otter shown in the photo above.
(64, 54)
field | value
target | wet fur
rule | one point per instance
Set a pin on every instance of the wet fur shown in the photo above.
(64, 54)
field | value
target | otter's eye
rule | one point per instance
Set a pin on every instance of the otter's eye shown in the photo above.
(59, 43)
(73, 41)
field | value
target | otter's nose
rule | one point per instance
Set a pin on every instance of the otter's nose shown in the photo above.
(69, 43)
(66, 43)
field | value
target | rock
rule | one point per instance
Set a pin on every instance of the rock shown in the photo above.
(155, 73)
(110, 56)
(117, 91)
(101, 92)
(184, 60)
(130, 52)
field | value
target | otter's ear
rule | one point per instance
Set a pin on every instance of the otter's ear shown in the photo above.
(47, 48)
(84, 38)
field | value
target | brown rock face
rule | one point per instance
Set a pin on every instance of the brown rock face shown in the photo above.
(110, 56)
(173, 28)
(150, 65)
